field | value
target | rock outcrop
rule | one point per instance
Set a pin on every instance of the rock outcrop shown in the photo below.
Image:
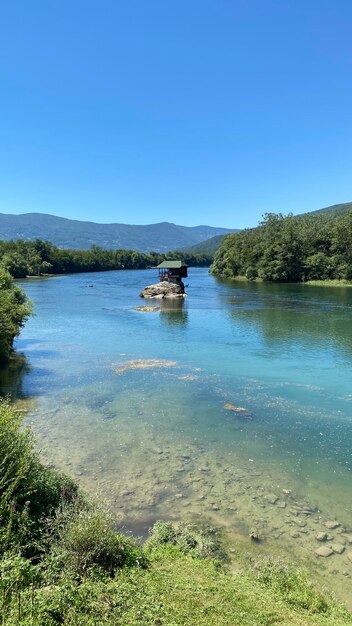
(164, 289)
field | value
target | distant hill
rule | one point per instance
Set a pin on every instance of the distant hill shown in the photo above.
(209, 246)
(333, 211)
(66, 233)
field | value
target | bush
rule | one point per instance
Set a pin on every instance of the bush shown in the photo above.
(293, 585)
(198, 542)
(28, 491)
(86, 543)
(15, 308)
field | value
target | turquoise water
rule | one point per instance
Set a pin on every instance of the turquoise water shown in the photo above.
(157, 441)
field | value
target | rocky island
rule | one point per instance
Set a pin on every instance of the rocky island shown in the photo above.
(170, 283)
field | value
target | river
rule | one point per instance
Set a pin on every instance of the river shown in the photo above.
(234, 406)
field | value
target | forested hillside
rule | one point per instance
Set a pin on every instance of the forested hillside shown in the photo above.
(301, 248)
(334, 210)
(35, 258)
(208, 247)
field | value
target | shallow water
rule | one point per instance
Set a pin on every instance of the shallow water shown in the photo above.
(158, 442)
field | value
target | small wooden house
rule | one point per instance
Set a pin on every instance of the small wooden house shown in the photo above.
(172, 271)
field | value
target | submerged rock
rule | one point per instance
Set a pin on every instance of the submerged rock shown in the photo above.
(321, 536)
(164, 289)
(324, 551)
(254, 535)
(147, 309)
(238, 409)
(339, 548)
(142, 364)
(331, 525)
(272, 498)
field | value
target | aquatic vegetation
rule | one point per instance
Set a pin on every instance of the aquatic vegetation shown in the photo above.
(147, 309)
(143, 364)
(237, 409)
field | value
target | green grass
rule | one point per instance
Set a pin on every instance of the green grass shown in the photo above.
(317, 283)
(174, 590)
(330, 283)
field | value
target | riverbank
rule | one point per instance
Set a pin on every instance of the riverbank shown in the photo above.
(62, 561)
(310, 283)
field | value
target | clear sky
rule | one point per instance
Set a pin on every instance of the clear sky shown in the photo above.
(188, 111)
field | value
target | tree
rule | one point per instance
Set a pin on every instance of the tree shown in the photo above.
(15, 309)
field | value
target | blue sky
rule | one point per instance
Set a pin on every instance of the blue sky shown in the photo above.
(190, 111)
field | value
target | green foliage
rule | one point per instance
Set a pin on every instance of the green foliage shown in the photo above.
(189, 539)
(83, 542)
(28, 491)
(174, 590)
(290, 249)
(293, 585)
(85, 573)
(15, 308)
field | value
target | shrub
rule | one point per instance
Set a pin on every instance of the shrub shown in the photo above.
(28, 491)
(15, 308)
(293, 585)
(197, 541)
(85, 543)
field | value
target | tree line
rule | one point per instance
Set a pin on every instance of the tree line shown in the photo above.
(289, 249)
(35, 258)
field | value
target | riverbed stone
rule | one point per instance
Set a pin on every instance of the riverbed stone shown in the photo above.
(332, 524)
(321, 536)
(272, 498)
(324, 551)
(300, 522)
(348, 538)
(339, 548)
(349, 556)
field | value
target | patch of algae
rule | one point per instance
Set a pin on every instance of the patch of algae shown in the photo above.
(237, 409)
(147, 309)
(143, 364)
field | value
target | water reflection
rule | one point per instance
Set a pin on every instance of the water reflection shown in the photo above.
(12, 377)
(174, 312)
(291, 315)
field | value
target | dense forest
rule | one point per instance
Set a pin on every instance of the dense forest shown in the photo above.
(34, 258)
(289, 249)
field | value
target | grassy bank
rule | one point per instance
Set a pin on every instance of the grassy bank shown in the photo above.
(318, 283)
(63, 562)
(329, 283)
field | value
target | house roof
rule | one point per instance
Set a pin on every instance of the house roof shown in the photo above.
(171, 265)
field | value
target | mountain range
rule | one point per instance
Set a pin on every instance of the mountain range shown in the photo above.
(161, 237)
(66, 233)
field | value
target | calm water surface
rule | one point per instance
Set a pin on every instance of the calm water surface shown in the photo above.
(158, 442)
